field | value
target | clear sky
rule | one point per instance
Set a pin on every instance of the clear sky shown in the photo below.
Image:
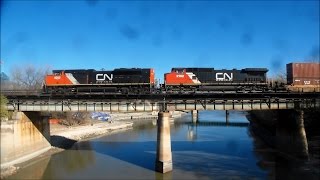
(83, 34)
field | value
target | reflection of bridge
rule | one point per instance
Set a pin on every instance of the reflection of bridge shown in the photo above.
(193, 126)
(230, 124)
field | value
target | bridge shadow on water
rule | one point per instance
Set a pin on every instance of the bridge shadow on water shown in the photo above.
(61, 142)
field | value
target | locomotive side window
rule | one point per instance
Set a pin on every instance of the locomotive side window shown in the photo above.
(179, 71)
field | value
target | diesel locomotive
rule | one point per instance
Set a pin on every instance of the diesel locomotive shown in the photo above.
(123, 80)
(300, 77)
(210, 79)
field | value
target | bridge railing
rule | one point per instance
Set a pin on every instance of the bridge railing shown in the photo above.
(160, 105)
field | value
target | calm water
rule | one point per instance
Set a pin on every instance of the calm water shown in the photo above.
(205, 151)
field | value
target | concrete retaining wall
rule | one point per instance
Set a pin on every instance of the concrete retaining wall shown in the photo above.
(23, 138)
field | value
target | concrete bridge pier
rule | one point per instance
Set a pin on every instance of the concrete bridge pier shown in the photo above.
(290, 133)
(195, 116)
(164, 154)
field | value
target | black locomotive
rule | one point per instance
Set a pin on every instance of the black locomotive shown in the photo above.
(123, 80)
(210, 79)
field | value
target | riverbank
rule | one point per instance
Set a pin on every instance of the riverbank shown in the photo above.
(64, 137)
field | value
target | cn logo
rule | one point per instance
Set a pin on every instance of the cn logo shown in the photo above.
(224, 76)
(104, 77)
(306, 82)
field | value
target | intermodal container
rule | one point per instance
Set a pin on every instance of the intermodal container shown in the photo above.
(306, 81)
(303, 73)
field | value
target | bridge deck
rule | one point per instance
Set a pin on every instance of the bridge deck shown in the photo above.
(158, 102)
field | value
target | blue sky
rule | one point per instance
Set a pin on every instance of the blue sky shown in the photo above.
(159, 34)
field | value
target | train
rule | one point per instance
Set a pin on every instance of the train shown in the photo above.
(300, 76)
(210, 79)
(303, 77)
(121, 80)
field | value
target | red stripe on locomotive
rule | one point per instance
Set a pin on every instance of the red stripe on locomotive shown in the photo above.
(152, 76)
(176, 77)
(57, 79)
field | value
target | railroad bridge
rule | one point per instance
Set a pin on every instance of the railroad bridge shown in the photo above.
(162, 102)
(37, 108)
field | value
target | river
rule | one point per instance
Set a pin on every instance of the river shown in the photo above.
(211, 149)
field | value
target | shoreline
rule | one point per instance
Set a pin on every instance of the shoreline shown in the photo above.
(64, 137)
(64, 140)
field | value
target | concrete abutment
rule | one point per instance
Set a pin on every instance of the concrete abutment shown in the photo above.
(25, 137)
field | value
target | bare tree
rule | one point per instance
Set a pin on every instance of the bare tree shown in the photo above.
(278, 79)
(280, 76)
(28, 77)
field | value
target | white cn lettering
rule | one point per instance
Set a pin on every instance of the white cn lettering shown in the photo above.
(224, 77)
(103, 77)
(179, 76)
(306, 82)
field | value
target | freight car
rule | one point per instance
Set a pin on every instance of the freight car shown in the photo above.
(77, 81)
(303, 77)
(210, 79)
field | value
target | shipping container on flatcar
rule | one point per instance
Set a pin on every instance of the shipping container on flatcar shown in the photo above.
(122, 80)
(207, 79)
(303, 76)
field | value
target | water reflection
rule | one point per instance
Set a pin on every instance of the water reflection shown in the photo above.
(209, 149)
(227, 116)
(279, 165)
(192, 132)
(59, 165)
(283, 152)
